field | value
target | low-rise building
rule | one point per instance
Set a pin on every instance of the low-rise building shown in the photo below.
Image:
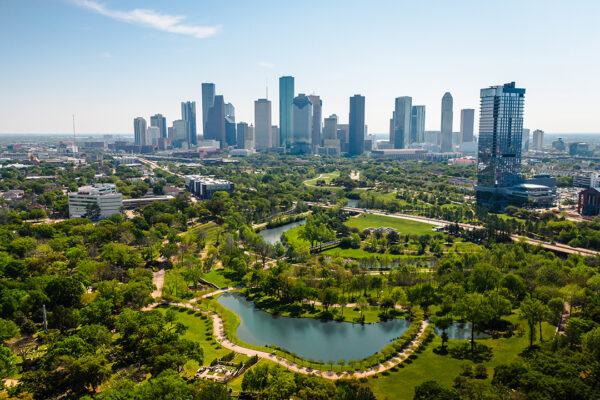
(96, 202)
(589, 202)
(530, 195)
(204, 187)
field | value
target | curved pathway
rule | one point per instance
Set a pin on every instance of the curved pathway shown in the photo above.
(221, 338)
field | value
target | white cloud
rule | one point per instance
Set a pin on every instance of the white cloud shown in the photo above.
(149, 18)
(265, 64)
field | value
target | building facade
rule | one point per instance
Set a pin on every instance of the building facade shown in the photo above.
(139, 131)
(262, 124)
(356, 126)
(205, 187)
(302, 119)
(316, 121)
(208, 101)
(537, 142)
(188, 113)
(286, 97)
(401, 122)
(95, 202)
(446, 126)
(467, 125)
(160, 122)
(417, 125)
(215, 128)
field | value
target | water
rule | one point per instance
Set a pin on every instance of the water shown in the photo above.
(352, 203)
(461, 331)
(273, 235)
(310, 338)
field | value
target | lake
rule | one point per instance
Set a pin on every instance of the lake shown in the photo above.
(461, 331)
(273, 235)
(310, 338)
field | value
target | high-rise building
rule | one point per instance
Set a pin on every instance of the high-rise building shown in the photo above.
(525, 146)
(230, 131)
(250, 143)
(402, 117)
(343, 135)
(215, 128)
(181, 133)
(286, 97)
(188, 113)
(275, 136)
(467, 123)
(302, 118)
(317, 120)
(500, 140)
(446, 128)
(139, 131)
(356, 145)
(417, 125)
(161, 122)
(152, 135)
(537, 142)
(230, 110)
(330, 127)
(208, 100)
(262, 124)
(242, 134)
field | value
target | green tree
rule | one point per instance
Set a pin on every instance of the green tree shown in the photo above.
(532, 310)
(476, 310)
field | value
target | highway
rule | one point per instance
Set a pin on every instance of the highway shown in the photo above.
(557, 247)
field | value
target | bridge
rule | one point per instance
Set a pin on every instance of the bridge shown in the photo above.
(320, 247)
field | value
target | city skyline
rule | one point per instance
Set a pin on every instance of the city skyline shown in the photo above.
(90, 66)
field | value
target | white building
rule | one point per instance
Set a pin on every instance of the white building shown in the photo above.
(152, 135)
(97, 201)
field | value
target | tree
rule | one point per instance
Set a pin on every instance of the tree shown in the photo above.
(591, 343)
(87, 373)
(431, 390)
(476, 310)
(532, 310)
(328, 298)
(8, 329)
(92, 211)
(8, 362)
(443, 323)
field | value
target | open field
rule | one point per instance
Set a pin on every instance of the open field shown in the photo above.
(403, 226)
(327, 177)
(217, 276)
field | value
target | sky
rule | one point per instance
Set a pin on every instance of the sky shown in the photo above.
(109, 61)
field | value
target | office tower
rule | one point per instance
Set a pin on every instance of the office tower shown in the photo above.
(417, 124)
(286, 97)
(262, 124)
(230, 110)
(152, 135)
(275, 136)
(208, 100)
(103, 197)
(188, 113)
(161, 122)
(538, 140)
(402, 117)
(446, 131)
(249, 143)
(343, 135)
(181, 133)
(230, 132)
(467, 123)
(316, 122)
(500, 139)
(242, 134)
(330, 127)
(302, 118)
(525, 146)
(139, 131)
(356, 144)
(215, 127)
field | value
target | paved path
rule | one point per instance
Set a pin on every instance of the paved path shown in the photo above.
(219, 335)
(158, 278)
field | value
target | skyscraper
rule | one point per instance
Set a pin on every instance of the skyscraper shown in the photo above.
(402, 117)
(242, 134)
(316, 122)
(356, 124)
(286, 97)
(467, 122)
(208, 100)
(500, 139)
(161, 122)
(525, 146)
(188, 113)
(181, 133)
(330, 127)
(230, 110)
(446, 129)
(417, 124)
(139, 131)
(230, 131)
(152, 135)
(538, 140)
(215, 127)
(262, 124)
(302, 118)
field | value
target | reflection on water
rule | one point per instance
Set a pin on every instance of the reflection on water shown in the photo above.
(461, 331)
(272, 235)
(310, 338)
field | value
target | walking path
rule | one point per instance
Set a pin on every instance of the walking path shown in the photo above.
(158, 278)
(221, 338)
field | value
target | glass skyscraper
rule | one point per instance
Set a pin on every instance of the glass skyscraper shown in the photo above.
(356, 145)
(402, 117)
(446, 128)
(417, 125)
(286, 97)
(302, 118)
(188, 113)
(208, 100)
(161, 123)
(500, 137)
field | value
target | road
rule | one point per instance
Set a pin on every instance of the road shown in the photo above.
(558, 247)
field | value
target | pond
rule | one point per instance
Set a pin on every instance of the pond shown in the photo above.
(310, 338)
(461, 331)
(273, 235)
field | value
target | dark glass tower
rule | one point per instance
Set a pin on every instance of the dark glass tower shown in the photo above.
(500, 137)
(188, 113)
(357, 125)
(286, 97)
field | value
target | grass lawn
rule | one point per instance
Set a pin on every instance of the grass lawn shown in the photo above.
(219, 278)
(400, 384)
(211, 230)
(403, 226)
(327, 177)
(293, 238)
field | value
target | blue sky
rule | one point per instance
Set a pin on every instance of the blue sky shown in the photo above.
(108, 61)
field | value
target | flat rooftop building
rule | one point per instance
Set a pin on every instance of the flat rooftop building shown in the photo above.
(96, 202)
(204, 187)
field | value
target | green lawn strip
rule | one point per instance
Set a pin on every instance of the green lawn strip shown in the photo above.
(403, 226)
(211, 230)
(401, 383)
(327, 177)
(217, 276)
(231, 322)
